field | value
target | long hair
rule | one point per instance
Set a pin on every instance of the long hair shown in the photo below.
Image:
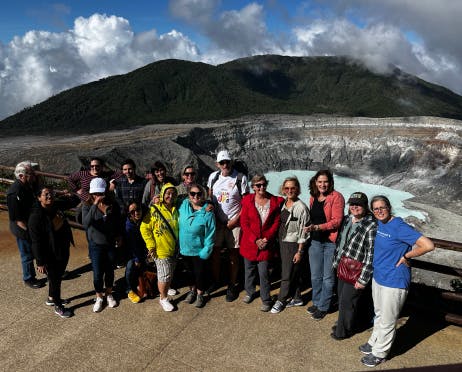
(312, 185)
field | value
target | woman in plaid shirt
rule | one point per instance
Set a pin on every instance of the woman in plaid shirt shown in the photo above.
(356, 241)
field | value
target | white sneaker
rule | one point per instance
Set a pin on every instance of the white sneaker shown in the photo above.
(98, 306)
(111, 302)
(166, 305)
(172, 292)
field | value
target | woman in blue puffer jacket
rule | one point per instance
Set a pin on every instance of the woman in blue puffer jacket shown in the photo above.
(197, 237)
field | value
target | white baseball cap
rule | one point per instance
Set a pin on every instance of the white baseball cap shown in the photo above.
(223, 155)
(97, 185)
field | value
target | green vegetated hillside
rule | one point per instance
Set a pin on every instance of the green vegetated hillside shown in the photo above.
(172, 91)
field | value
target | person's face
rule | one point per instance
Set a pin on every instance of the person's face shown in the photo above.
(290, 189)
(357, 211)
(135, 212)
(259, 187)
(381, 211)
(28, 177)
(195, 196)
(46, 198)
(129, 171)
(225, 167)
(189, 175)
(169, 196)
(160, 174)
(95, 168)
(322, 183)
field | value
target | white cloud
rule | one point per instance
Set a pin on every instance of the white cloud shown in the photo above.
(39, 64)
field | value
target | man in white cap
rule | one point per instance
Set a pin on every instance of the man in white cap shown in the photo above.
(226, 187)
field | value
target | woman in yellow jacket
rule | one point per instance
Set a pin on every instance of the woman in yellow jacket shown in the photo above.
(159, 230)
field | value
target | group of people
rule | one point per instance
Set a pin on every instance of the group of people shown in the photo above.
(137, 221)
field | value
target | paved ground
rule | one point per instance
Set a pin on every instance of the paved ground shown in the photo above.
(222, 336)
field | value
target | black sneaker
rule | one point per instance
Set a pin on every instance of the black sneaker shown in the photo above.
(319, 314)
(190, 297)
(247, 299)
(51, 302)
(265, 307)
(366, 348)
(312, 309)
(34, 283)
(371, 361)
(62, 312)
(231, 293)
(200, 301)
(295, 302)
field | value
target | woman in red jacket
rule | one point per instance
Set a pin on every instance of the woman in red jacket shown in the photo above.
(260, 216)
(326, 212)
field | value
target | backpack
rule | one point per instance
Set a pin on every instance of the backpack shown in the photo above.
(238, 181)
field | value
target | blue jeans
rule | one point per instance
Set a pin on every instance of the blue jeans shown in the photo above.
(27, 259)
(102, 261)
(322, 275)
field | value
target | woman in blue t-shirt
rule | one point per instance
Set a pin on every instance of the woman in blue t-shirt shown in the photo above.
(395, 243)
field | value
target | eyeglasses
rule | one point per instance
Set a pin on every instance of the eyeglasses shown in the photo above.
(380, 209)
(223, 162)
(259, 185)
(48, 195)
(187, 174)
(133, 211)
(194, 194)
(290, 188)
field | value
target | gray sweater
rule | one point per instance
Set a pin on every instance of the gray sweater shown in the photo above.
(101, 229)
(299, 218)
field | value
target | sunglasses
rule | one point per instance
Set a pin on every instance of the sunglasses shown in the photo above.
(189, 173)
(259, 185)
(223, 162)
(290, 188)
(133, 211)
(194, 194)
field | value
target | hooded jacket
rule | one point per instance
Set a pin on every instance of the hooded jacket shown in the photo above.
(154, 230)
(197, 231)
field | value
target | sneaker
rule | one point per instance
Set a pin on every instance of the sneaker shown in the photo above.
(247, 299)
(265, 307)
(312, 309)
(200, 301)
(190, 297)
(277, 307)
(366, 348)
(295, 302)
(34, 283)
(165, 303)
(111, 302)
(319, 314)
(50, 302)
(231, 293)
(172, 292)
(62, 312)
(371, 361)
(98, 306)
(133, 297)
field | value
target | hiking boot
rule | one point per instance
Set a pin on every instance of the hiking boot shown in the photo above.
(277, 307)
(312, 309)
(133, 297)
(371, 361)
(247, 299)
(319, 314)
(365, 348)
(111, 302)
(98, 306)
(295, 302)
(265, 307)
(190, 297)
(62, 312)
(165, 303)
(200, 301)
(231, 293)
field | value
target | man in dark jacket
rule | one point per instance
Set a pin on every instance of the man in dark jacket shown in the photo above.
(20, 198)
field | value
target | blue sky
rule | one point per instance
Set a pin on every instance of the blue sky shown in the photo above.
(49, 46)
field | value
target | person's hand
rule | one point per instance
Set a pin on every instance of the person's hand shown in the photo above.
(42, 269)
(155, 199)
(359, 286)
(402, 261)
(310, 228)
(297, 257)
(152, 254)
(209, 208)
(97, 199)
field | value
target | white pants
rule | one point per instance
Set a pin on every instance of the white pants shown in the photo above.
(388, 303)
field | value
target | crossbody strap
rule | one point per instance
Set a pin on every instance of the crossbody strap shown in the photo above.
(166, 222)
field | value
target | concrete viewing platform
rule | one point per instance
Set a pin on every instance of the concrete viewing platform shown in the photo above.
(219, 337)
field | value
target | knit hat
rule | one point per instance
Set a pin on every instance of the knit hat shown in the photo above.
(97, 185)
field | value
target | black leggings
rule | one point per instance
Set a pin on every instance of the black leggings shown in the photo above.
(198, 268)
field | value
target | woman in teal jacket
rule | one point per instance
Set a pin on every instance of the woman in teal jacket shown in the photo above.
(197, 237)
